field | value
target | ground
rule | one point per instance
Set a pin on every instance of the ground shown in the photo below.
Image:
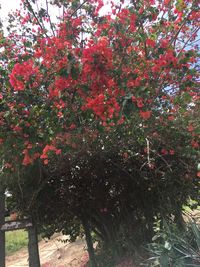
(53, 253)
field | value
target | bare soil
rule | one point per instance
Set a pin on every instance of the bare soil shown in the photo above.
(53, 253)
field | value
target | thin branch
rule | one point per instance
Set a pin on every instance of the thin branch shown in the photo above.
(19, 185)
(51, 24)
(35, 16)
(160, 156)
(77, 9)
(148, 152)
(179, 30)
(186, 43)
(143, 31)
(38, 10)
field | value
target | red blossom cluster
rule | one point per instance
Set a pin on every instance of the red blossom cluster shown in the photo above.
(24, 75)
(136, 63)
(45, 151)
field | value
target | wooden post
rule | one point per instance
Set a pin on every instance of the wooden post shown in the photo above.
(2, 233)
(34, 258)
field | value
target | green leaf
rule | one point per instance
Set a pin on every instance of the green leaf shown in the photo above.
(42, 13)
(198, 167)
(74, 73)
(196, 233)
(179, 5)
(28, 44)
(164, 260)
(63, 72)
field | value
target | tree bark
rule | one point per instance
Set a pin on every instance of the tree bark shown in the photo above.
(90, 247)
(34, 258)
(179, 218)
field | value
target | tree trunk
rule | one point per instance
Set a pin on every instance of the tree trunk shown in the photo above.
(34, 259)
(90, 247)
(179, 218)
(2, 233)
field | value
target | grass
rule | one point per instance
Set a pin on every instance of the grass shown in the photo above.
(16, 240)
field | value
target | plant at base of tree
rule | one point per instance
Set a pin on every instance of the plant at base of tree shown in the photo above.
(171, 247)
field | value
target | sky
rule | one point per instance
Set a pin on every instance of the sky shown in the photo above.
(6, 6)
(12, 5)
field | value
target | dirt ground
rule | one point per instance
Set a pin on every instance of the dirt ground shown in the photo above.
(53, 253)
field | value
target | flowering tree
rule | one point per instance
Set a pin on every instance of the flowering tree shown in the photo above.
(124, 80)
(139, 62)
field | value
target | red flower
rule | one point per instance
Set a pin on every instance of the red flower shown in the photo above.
(17, 128)
(58, 151)
(164, 151)
(195, 144)
(190, 128)
(164, 43)
(133, 99)
(27, 159)
(60, 114)
(21, 74)
(150, 43)
(145, 114)
(72, 126)
(140, 103)
(171, 118)
(47, 149)
(8, 165)
(46, 161)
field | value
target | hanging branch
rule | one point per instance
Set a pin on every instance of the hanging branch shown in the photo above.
(148, 152)
(35, 16)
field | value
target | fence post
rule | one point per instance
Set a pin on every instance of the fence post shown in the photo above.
(33, 251)
(2, 233)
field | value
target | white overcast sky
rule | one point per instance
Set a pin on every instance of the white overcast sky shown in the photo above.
(8, 5)
(12, 5)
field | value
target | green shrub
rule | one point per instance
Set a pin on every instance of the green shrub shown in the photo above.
(16, 240)
(174, 248)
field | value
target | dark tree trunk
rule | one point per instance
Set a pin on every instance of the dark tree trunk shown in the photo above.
(2, 233)
(179, 218)
(34, 259)
(89, 242)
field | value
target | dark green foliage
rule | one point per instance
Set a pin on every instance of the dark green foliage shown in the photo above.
(121, 197)
(109, 184)
(172, 247)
